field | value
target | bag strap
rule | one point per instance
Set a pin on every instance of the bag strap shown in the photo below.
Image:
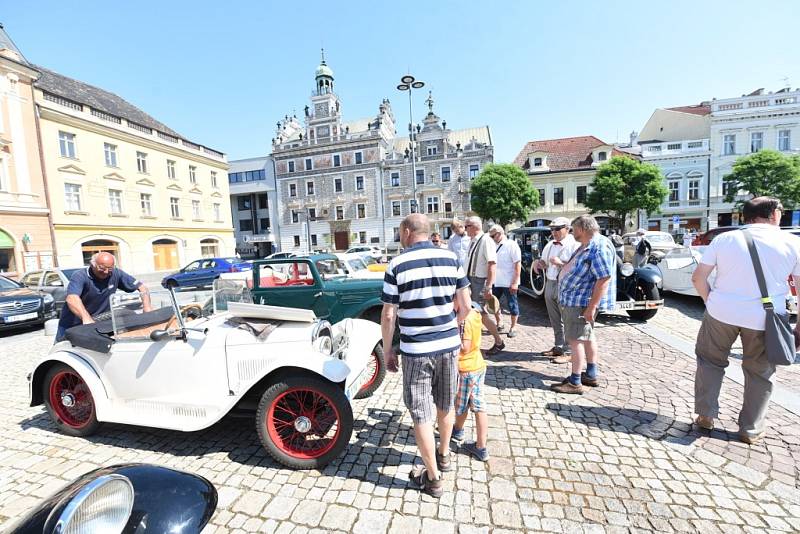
(762, 284)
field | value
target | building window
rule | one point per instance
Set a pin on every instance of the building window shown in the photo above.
(72, 197)
(66, 144)
(445, 172)
(359, 183)
(309, 188)
(244, 203)
(297, 240)
(395, 179)
(602, 156)
(432, 150)
(309, 164)
(263, 203)
(756, 141)
(537, 162)
(729, 144)
(246, 225)
(291, 166)
(541, 197)
(111, 154)
(193, 174)
(674, 191)
(292, 190)
(558, 196)
(726, 187)
(312, 214)
(784, 140)
(174, 209)
(694, 189)
(313, 240)
(217, 214)
(580, 194)
(214, 179)
(337, 160)
(396, 234)
(115, 201)
(170, 169)
(295, 216)
(412, 206)
(209, 248)
(448, 207)
(474, 170)
(420, 180)
(674, 146)
(362, 237)
(264, 221)
(433, 204)
(145, 199)
(196, 210)
(361, 211)
(339, 213)
(358, 157)
(337, 185)
(395, 208)
(141, 162)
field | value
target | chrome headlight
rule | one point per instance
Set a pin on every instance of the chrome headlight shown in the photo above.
(324, 344)
(103, 505)
(322, 338)
(626, 269)
(48, 298)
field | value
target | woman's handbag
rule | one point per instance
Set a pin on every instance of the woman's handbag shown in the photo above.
(778, 335)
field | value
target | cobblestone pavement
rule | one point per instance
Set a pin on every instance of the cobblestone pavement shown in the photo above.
(621, 458)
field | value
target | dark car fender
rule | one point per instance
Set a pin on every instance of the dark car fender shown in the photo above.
(165, 500)
(649, 274)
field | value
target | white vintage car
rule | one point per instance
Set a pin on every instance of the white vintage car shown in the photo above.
(184, 368)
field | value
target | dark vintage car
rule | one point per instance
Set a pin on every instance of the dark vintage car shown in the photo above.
(52, 281)
(129, 498)
(20, 306)
(638, 291)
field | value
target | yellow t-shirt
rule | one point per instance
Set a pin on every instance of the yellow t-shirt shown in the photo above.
(472, 360)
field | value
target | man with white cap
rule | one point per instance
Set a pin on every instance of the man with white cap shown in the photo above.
(555, 254)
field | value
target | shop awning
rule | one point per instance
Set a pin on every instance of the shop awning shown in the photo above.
(5, 240)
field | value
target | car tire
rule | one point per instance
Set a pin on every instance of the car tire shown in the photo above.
(647, 292)
(295, 409)
(69, 401)
(537, 284)
(172, 284)
(377, 364)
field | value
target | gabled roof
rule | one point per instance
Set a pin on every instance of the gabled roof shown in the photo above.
(567, 154)
(698, 109)
(96, 98)
(464, 136)
(6, 42)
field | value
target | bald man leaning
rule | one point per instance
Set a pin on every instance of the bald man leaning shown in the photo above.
(89, 291)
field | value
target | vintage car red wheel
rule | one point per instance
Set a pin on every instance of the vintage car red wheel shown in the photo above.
(304, 422)
(69, 401)
(377, 368)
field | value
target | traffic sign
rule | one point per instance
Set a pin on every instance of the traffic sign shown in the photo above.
(676, 219)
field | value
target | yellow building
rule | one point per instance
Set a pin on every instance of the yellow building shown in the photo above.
(25, 239)
(121, 181)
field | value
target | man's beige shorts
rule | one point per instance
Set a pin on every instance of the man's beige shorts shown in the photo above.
(575, 326)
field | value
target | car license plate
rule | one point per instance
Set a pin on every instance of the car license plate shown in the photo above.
(626, 305)
(22, 317)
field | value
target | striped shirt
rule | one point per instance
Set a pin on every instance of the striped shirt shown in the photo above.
(422, 282)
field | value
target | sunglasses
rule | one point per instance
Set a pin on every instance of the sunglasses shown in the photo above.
(556, 228)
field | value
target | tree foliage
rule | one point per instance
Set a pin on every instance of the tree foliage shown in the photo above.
(503, 193)
(623, 185)
(766, 173)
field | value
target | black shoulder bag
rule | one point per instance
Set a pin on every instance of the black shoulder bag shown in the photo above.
(778, 335)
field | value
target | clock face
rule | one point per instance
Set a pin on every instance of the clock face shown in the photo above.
(321, 110)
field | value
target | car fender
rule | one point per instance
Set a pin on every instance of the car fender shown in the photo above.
(82, 367)
(649, 274)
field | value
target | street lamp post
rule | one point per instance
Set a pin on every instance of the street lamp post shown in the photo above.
(407, 83)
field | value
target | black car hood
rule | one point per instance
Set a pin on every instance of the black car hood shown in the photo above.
(17, 293)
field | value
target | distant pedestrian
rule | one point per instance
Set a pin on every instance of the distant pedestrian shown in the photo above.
(458, 243)
(469, 396)
(688, 237)
(481, 271)
(436, 240)
(555, 254)
(734, 308)
(642, 248)
(586, 287)
(421, 284)
(506, 284)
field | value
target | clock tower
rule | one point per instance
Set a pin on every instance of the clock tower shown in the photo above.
(323, 120)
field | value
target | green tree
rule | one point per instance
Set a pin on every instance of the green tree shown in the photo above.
(766, 173)
(503, 193)
(623, 185)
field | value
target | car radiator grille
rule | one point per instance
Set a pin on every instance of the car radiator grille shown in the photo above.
(10, 307)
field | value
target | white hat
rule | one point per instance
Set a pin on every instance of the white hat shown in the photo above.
(559, 221)
(641, 231)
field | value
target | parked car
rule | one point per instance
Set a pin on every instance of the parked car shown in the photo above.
(295, 373)
(370, 250)
(706, 237)
(128, 498)
(280, 255)
(202, 273)
(637, 288)
(358, 266)
(21, 306)
(52, 281)
(660, 242)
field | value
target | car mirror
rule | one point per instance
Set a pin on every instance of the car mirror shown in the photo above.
(159, 335)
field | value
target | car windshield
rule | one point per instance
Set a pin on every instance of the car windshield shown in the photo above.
(660, 238)
(5, 283)
(331, 267)
(356, 264)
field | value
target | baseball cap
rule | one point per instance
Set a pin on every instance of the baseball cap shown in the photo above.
(559, 222)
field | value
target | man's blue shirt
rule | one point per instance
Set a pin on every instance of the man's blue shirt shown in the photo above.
(94, 292)
(596, 260)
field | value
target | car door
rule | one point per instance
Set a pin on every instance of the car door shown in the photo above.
(292, 284)
(53, 284)
(188, 275)
(206, 273)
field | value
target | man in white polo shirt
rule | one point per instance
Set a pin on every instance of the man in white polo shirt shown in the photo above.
(733, 309)
(506, 284)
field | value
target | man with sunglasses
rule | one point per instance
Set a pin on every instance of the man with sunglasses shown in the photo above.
(89, 291)
(555, 254)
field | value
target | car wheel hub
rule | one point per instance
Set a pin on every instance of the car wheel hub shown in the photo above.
(68, 400)
(302, 424)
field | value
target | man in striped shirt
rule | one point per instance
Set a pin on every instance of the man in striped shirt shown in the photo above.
(421, 285)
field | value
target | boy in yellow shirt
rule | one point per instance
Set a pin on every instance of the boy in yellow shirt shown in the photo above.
(471, 372)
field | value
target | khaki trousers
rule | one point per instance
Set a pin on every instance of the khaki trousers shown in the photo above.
(554, 312)
(714, 342)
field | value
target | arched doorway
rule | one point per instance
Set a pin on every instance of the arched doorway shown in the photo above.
(7, 261)
(165, 255)
(90, 248)
(209, 248)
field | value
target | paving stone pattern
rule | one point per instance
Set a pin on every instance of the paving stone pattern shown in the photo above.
(621, 458)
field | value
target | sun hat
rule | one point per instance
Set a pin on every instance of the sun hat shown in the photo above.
(492, 305)
(559, 222)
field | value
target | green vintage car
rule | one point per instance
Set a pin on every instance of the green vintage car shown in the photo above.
(319, 282)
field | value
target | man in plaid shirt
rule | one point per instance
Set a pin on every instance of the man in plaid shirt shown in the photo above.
(587, 285)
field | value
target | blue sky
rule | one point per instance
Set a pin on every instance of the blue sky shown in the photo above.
(222, 73)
